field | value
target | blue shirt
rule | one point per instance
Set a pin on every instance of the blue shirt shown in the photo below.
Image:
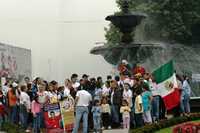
(96, 111)
(146, 100)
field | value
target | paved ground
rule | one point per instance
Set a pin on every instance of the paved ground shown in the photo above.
(116, 131)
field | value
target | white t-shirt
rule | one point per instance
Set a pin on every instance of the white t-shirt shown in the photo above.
(25, 100)
(138, 101)
(128, 95)
(84, 98)
(105, 91)
(75, 85)
(66, 92)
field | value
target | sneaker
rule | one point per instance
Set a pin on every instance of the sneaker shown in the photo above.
(109, 127)
(27, 131)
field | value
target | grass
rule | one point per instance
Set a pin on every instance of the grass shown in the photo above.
(169, 130)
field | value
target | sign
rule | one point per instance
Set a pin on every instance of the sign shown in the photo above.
(52, 116)
(67, 113)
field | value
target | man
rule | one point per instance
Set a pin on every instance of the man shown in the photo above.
(82, 101)
(116, 97)
(74, 80)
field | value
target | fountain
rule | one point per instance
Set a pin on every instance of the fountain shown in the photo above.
(127, 49)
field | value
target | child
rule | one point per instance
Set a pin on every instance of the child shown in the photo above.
(125, 110)
(105, 107)
(146, 100)
(96, 111)
(36, 110)
(138, 109)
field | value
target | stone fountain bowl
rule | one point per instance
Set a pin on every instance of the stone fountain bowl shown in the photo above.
(126, 22)
(133, 53)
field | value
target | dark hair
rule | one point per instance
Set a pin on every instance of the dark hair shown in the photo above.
(125, 101)
(74, 75)
(99, 78)
(23, 88)
(109, 77)
(117, 78)
(95, 102)
(138, 91)
(85, 76)
(52, 112)
(53, 82)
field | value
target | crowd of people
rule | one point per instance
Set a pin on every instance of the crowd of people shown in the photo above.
(125, 101)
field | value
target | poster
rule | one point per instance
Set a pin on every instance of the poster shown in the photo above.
(52, 116)
(67, 113)
(15, 62)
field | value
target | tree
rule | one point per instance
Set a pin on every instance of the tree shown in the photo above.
(169, 20)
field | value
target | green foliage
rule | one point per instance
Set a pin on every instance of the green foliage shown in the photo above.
(11, 128)
(169, 20)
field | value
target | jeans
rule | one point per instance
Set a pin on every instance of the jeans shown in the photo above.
(1, 121)
(185, 104)
(97, 123)
(36, 123)
(155, 107)
(81, 111)
(115, 113)
(23, 116)
(14, 114)
(139, 120)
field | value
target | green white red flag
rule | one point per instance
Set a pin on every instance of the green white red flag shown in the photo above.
(165, 78)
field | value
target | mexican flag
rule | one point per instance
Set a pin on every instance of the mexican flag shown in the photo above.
(165, 78)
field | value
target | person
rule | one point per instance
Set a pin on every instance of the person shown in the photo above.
(82, 100)
(106, 89)
(36, 110)
(127, 94)
(138, 109)
(106, 113)
(146, 101)
(186, 92)
(125, 110)
(96, 111)
(116, 97)
(98, 92)
(42, 99)
(52, 93)
(12, 102)
(24, 106)
(66, 87)
(156, 99)
(74, 80)
(3, 113)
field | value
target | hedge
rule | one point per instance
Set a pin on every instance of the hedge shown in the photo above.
(166, 123)
(11, 128)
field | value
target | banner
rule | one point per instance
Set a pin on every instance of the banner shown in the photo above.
(15, 62)
(52, 116)
(67, 113)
